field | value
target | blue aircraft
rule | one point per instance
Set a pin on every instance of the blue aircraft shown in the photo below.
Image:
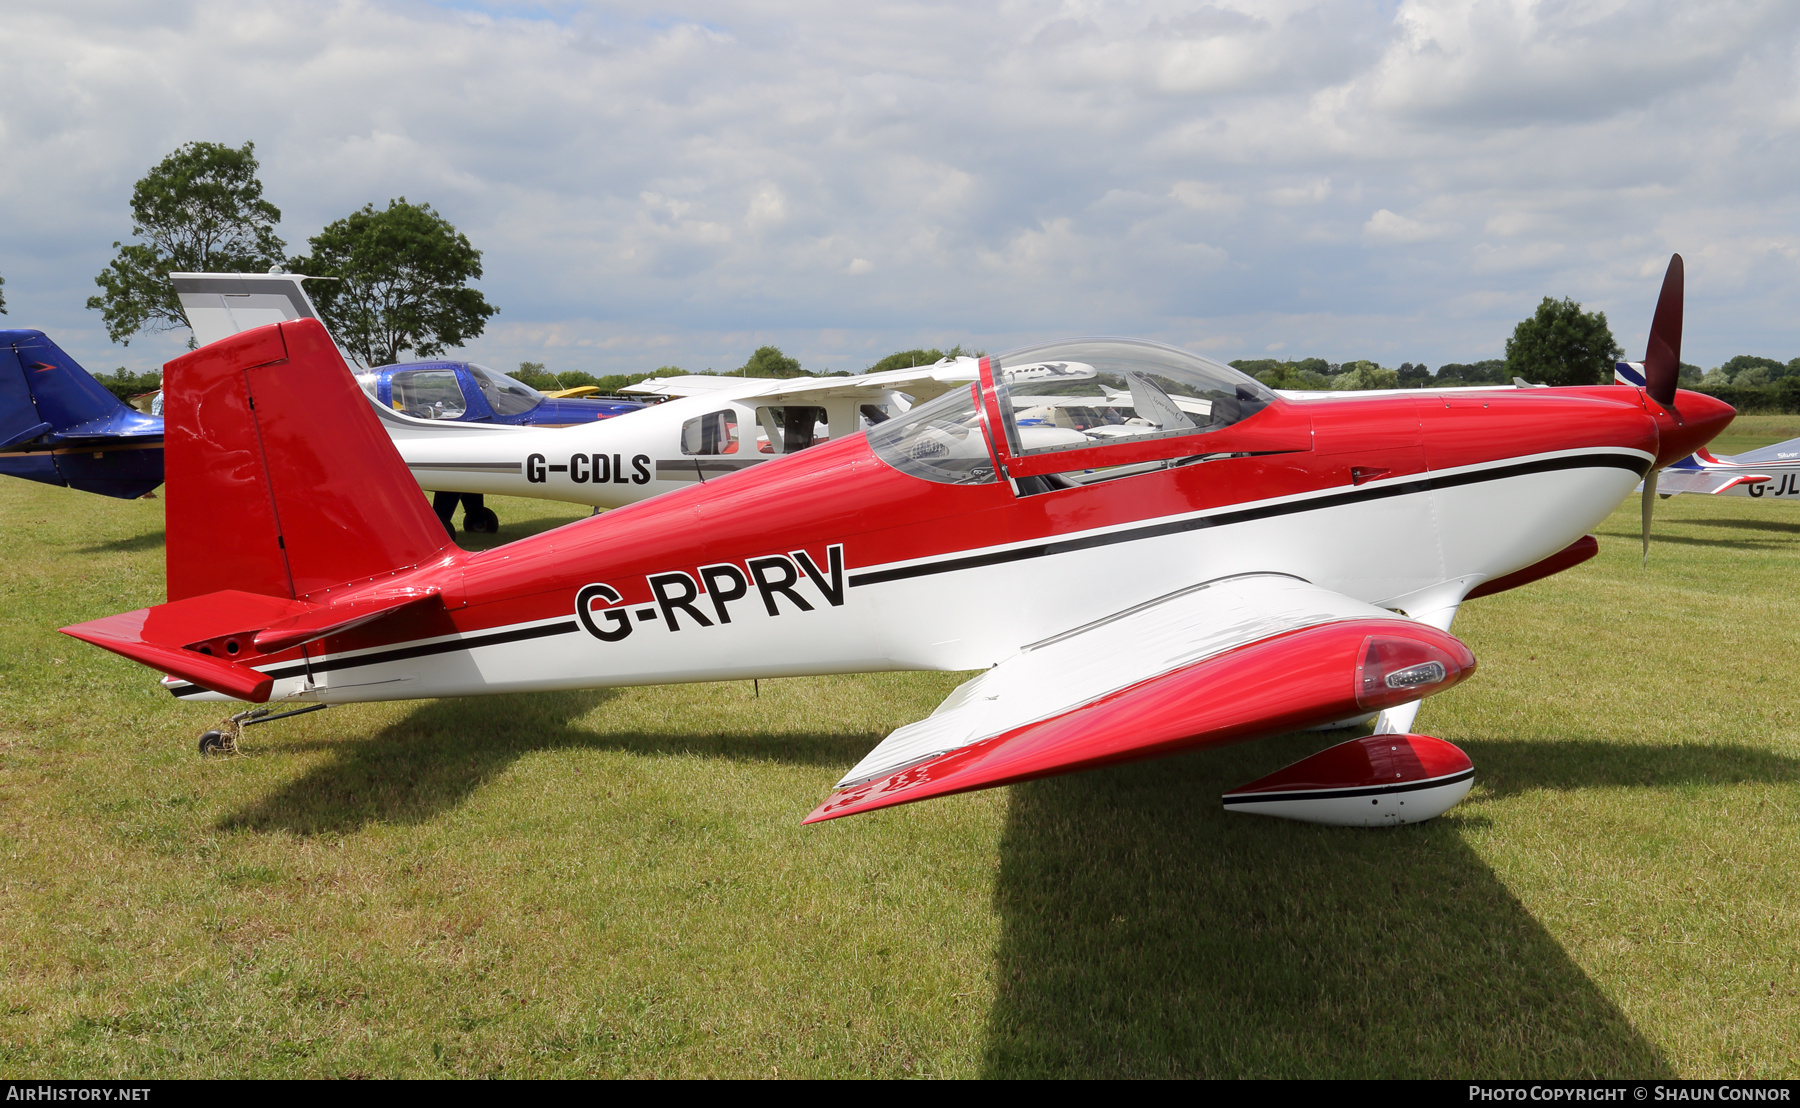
(60, 426)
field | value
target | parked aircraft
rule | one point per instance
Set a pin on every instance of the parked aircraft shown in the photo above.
(61, 427)
(1174, 575)
(1768, 472)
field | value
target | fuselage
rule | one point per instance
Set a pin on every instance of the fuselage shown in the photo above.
(614, 462)
(833, 560)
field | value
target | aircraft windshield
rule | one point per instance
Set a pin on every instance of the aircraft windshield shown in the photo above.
(939, 441)
(1092, 392)
(506, 396)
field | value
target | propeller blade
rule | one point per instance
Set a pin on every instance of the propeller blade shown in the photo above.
(1649, 508)
(1662, 359)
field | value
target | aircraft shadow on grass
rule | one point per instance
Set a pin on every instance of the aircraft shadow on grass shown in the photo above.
(1778, 526)
(1146, 932)
(1505, 767)
(131, 544)
(431, 761)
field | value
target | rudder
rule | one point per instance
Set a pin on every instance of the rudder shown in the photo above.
(280, 479)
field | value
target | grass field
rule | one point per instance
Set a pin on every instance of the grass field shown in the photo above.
(617, 883)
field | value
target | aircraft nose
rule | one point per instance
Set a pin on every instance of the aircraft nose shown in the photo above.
(1692, 421)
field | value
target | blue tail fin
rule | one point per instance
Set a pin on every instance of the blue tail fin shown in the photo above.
(60, 426)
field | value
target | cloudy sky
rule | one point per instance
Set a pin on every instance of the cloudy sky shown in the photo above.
(676, 184)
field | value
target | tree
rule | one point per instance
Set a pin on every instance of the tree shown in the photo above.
(401, 282)
(1750, 370)
(1307, 373)
(199, 211)
(769, 361)
(1489, 372)
(1562, 345)
(907, 359)
(2, 296)
(1365, 375)
(1414, 376)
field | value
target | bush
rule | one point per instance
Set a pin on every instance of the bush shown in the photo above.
(125, 384)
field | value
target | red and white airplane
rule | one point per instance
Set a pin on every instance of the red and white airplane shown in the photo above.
(1146, 551)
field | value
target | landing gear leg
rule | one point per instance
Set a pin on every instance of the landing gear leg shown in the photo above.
(223, 739)
(444, 504)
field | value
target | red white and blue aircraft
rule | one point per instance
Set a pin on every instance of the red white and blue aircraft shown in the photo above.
(1768, 472)
(1170, 571)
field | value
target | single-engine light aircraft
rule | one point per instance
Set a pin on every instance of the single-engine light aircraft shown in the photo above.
(1145, 551)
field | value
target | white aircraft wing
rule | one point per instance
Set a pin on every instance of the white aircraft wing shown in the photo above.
(1781, 454)
(1672, 482)
(1239, 657)
(922, 384)
(692, 384)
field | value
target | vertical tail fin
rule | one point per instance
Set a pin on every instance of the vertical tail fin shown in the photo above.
(63, 394)
(281, 480)
(61, 427)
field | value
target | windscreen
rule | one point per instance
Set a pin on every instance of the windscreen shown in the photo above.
(506, 396)
(938, 441)
(1093, 392)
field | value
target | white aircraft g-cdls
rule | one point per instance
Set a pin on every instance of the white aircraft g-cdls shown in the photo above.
(710, 426)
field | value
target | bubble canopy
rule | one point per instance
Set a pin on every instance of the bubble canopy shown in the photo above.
(1067, 396)
(1080, 393)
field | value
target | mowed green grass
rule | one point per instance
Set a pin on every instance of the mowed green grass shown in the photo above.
(617, 883)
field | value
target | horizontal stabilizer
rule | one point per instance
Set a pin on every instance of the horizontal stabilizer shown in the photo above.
(1229, 660)
(337, 618)
(15, 436)
(167, 637)
(214, 639)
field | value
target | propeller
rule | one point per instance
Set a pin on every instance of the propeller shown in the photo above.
(1662, 369)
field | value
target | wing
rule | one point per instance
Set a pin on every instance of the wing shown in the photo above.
(1671, 482)
(691, 384)
(1237, 658)
(1782, 453)
(922, 384)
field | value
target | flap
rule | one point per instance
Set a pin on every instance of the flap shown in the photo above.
(1230, 659)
